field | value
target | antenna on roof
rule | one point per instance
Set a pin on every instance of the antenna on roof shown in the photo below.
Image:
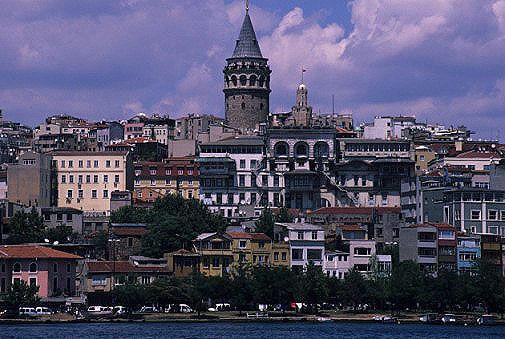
(246, 6)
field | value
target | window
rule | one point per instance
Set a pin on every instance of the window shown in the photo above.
(69, 216)
(107, 163)
(105, 178)
(70, 163)
(93, 194)
(168, 171)
(80, 194)
(276, 181)
(242, 163)
(242, 244)
(313, 254)
(314, 235)
(421, 157)
(241, 180)
(62, 164)
(95, 179)
(88, 163)
(88, 179)
(276, 256)
(362, 251)
(152, 171)
(363, 180)
(71, 179)
(215, 262)
(475, 215)
(116, 163)
(297, 254)
(55, 268)
(130, 242)
(105, 194)
(33, 267)
(69, 194)
(69, 267)
(284, 256)
(180, 170)
(16, 267)
(116, 178)
(356, 180)
(95, 163)
(80, 164)
(253, 163)
(300, 236)
(33, 282)
(264, 180)
(492, 215)
(79, 179)
(63, 179)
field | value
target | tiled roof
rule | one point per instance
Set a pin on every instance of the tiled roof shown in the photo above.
(247, 44)
(356, 210)
(34, 251)
(129, 231)
(121, 267)
(477, 154)
(245, 235)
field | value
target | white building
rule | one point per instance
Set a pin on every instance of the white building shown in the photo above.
(306, 243)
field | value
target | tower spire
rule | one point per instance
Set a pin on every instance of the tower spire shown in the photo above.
(246, 6)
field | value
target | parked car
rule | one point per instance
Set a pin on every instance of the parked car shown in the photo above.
(99, 311)
(148, 309)
(119, 310)
(430, 318)
(27, 311)
(43, 310)
(449, 319)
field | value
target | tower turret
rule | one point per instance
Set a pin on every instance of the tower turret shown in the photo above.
(246, 81)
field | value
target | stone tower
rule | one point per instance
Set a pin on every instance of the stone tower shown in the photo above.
(301, 112)
(246, 81)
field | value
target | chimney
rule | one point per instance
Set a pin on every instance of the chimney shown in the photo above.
(459, 145)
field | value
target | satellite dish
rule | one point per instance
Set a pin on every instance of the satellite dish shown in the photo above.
(286, 239)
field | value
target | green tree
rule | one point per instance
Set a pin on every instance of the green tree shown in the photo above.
(21, 294)
(100, 242)
(284, 215)
(130, 214)
(174, 222)
(241, 287)
(131, 296)
(62, 234)
(312, 287)
(26, 227)
(355, 289)
(407, 284)
(198, 291)
(490, 284)
(164, 292)
(265, 223)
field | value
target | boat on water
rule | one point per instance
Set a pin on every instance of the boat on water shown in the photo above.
(430, 318)
(486, 319)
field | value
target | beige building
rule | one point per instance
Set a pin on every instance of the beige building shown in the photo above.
(29, 181)
(85, 180)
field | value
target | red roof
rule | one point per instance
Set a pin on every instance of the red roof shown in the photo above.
(129, 231)
(477, 154)
(245, 235)
(356, 210)
(121, 267)
(34, 252)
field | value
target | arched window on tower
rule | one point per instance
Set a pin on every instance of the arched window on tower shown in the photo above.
(243, 80)
(243, 105)
(234, 80)
(261, 81)
(252, 80)
(227, 80)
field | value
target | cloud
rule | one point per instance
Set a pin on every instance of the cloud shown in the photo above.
(443, 60)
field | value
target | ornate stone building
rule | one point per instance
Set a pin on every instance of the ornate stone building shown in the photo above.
(246, 81)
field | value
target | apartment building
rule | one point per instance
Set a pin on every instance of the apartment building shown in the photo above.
(29, 181)
(254, 248)
(85, 180)
(216, 255)
(174, 176)
(306, 243)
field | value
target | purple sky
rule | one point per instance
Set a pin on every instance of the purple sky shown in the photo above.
(442, 60)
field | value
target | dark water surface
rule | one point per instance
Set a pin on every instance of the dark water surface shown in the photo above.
(246, 330)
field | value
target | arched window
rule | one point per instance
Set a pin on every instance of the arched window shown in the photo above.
(234, 80)
(243, 80)
(252, 80)
(242, 105)
(227, 80)
(16, 267)
(321, 150)
(33, 267)
(301, 149)
(281, 149)
(261, 81)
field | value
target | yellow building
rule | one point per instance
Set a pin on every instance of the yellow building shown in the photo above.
(423, 155)
(280, 254)
(251, 248)
(85, 180)
(174, 176)
(216, 255)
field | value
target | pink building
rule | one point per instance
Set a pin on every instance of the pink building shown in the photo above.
(51, 270)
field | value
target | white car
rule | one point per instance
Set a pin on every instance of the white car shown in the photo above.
(27, 311)
(43, 311)
(119, 310)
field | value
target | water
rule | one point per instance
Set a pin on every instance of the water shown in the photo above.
(246, 330)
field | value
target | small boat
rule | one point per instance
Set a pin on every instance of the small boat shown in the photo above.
(486, 319)
(430, 318)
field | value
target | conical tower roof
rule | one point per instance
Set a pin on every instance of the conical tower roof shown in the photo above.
(247, 45)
